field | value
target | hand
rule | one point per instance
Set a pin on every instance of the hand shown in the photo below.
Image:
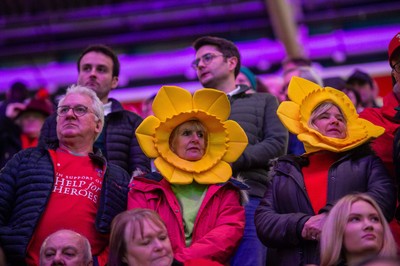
(13, 109)
(312, 228)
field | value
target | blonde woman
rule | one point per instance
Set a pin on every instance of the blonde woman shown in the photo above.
(354, 230)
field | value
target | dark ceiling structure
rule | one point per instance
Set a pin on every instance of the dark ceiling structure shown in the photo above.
(36, 32)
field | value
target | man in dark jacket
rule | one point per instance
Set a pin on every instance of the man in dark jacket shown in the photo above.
(66, 185)
(98, 69)
(217, 64)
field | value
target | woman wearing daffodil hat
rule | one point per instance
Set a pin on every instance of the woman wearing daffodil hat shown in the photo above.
(337, 162)
(193, 144)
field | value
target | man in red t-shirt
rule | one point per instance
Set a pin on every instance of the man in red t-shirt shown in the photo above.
(67, 186)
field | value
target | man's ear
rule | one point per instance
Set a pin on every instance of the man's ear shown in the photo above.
(114, 82)
(232, 62)
(98, 126)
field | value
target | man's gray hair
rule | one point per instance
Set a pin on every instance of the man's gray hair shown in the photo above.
(97, 105)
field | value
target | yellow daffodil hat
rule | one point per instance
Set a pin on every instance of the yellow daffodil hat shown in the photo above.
(226, 139)
(304, 97)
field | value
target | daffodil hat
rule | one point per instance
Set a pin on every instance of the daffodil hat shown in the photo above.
(226, 139)
(304, 97)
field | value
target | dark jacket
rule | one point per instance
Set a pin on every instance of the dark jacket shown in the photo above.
(26, 183)
(256, 114)
(286, 207)
(121, 145)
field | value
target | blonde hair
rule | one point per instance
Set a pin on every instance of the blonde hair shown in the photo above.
(332, 235)
(320, 109)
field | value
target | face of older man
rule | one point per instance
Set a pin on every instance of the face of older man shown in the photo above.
(64, 248)
(74, 125)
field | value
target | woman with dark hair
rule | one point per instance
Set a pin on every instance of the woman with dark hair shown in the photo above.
(337, 162)
(355, 229)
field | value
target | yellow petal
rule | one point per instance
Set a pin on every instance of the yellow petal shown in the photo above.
(171, 100)
(299, 89)
(213, 102)
(220, 173)
(237, 141)
(145, 135)
(288, 113)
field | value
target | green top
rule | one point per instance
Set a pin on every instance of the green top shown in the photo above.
(190, 198)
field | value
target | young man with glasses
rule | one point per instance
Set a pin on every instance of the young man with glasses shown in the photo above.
(217, 64)
(65, 185)
(388, 117)
(98, 69)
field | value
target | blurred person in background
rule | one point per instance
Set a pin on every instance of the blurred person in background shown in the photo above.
(17, 93)
(21, 125)
(366, 87)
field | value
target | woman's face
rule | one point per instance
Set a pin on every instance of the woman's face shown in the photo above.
(189, 142)
(154, 249)
(364, 231)
(331, 123)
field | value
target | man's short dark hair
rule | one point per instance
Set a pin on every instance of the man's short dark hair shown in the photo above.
(101, 48)
(226, 47)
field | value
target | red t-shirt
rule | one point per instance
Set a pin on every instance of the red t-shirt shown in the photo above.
(316, 178)
(73, 203)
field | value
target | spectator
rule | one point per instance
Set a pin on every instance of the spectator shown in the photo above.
(337, 162)
(66, 247)
(217, 65)
(139, 237)
(193, 192)
(366, 87)
(247, 77)
(16, 94)
(67, 185)
(355, 229)
(21, 125)
(98, 69)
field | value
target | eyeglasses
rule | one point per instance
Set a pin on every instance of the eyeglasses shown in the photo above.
(396, 67)
(207, 58)
(79, 110)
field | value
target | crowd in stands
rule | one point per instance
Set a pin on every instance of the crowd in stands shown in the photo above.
(232, 174)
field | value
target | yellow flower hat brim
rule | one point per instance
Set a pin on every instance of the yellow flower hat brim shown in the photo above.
(304, 97)
(226, 139)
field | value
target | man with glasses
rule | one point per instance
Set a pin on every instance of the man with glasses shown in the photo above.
(388, 117)
(217, 65)
(98, 69)
(65, 185)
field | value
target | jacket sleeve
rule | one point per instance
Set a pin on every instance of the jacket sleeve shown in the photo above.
(220, 242)
(273, 142)
(382, 188)
(7, 191)
(277, 230)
